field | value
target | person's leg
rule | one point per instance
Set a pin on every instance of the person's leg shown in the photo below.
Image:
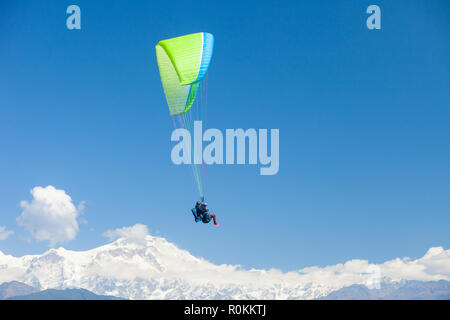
(214, 218)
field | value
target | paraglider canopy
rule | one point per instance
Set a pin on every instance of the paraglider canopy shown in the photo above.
(183, 62)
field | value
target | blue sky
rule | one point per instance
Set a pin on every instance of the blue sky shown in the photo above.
(363, 118)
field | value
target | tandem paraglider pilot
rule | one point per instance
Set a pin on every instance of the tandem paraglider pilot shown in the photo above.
(201, 213)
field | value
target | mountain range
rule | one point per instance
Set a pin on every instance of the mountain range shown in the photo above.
(66, 294)
(15, 288)
(153, 268)
(403, 290)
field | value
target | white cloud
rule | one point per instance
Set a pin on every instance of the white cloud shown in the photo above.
(51, 215)
(4, 233)
(434, 265)
(136, 233)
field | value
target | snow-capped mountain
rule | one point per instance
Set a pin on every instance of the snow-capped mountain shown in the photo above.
(153, 268)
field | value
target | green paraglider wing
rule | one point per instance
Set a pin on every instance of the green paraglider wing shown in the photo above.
(183, 62)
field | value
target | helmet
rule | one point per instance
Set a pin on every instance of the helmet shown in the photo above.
(205, 204)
